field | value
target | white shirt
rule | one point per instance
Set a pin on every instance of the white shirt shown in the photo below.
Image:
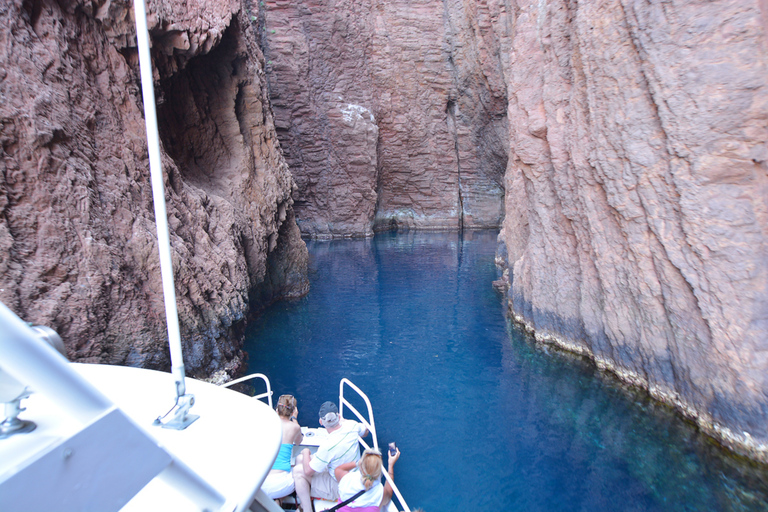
(338, 448)
(351, 484)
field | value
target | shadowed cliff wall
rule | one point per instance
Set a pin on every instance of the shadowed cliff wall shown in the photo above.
(77, 238)
(392, 114)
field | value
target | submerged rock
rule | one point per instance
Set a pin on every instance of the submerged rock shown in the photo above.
(77, 225)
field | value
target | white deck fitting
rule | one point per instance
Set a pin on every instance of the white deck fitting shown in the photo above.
(232, 446)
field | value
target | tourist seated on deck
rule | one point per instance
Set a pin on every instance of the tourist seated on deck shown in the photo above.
(365, 476)
(314, 474)
(279, 482)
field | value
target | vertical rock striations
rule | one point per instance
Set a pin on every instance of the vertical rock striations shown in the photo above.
(77, 236)
(636, 216)
(391, 113)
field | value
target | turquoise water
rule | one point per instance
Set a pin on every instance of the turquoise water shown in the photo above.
(484, 418)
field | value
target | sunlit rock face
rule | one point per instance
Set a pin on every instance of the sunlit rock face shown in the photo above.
(636, 216)
(78, 248)
(391, 114)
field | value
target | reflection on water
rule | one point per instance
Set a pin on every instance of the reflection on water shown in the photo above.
(485, 420)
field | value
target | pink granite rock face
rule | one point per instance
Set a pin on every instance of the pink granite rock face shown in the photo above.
(77, 228)
(427, 147)
(636, 217)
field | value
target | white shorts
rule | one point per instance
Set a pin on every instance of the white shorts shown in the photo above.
(278, 484)
(324, 486)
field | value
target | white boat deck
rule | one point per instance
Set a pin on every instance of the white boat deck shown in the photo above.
(96, 445)
(231, 446)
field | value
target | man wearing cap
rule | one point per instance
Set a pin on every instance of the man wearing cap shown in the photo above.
(315, 474)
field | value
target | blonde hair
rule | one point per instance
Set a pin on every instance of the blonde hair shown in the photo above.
(286, 404)
(370, 467)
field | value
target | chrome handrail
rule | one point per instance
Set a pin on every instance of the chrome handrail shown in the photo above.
(267, 395)
(371, 428)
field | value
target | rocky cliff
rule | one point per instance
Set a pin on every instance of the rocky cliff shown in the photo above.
(392, 114)
(623, 143)
(631, 137)
(77, 238)
(636, 221)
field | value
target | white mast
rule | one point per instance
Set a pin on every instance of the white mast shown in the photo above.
(177, 417)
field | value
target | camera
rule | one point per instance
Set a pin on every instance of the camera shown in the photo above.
(392, 449)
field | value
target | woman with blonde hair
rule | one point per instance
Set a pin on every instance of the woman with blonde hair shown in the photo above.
(361, 481)
(279, 482)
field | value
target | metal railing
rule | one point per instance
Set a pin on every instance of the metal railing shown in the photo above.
(371, 426)
(267, 395)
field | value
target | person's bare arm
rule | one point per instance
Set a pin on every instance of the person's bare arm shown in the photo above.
(306, 455)
(388, 491)
(344, 469)
(297, 436)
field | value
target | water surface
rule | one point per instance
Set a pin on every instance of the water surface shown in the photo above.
(484, 418)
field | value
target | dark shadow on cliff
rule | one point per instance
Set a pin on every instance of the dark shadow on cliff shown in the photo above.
(241, 239)
(196, 107)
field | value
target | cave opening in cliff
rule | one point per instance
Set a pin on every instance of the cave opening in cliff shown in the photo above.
(195, 107)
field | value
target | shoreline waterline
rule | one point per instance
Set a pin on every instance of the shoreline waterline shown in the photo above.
(742, 445)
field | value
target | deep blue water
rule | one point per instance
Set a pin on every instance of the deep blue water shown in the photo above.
(485, 419)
